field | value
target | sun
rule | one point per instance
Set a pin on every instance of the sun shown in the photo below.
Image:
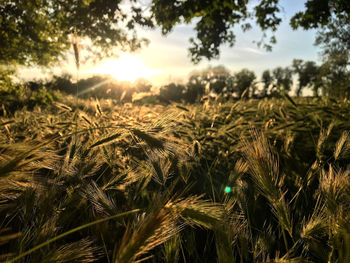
(125, 68)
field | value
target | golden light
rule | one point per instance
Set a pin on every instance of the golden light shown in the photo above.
(125, 68)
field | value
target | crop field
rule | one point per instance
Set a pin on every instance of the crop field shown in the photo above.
(242, 181)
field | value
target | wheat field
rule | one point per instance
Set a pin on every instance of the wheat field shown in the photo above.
(243, 181)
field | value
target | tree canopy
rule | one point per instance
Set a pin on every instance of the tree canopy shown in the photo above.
(243, 82)
(335, 39)
(38, 32)
(307, 73)
(216, 19)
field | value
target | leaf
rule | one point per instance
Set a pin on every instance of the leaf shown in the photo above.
(290, 99)
(244, 93)
(181, 108)
(150, 140)
(63, 106)
(106, 140)
(72, 231)
(6, 123)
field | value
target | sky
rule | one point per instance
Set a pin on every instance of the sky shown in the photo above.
(170, 53)
(166, 58)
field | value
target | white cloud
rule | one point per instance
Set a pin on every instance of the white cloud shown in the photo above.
(253, 50)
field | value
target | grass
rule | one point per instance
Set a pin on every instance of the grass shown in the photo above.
(89, 181)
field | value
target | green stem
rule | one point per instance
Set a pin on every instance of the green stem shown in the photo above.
(70, 232)
(285, 242)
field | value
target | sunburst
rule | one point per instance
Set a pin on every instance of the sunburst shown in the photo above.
(125, 68)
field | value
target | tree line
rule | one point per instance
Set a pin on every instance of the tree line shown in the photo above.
(331, 78)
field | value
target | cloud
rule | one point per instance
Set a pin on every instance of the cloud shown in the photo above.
(253, 50)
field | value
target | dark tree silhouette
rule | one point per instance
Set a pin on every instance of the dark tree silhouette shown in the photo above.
(307, 73)
(282, 80)
(267, 80)
(243, 82)
(335, 76)
(172, 92)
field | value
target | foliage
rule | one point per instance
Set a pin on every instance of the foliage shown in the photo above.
(335, 38)
(62, 83)
(143, 85)
(99, 86)
(334, 41)
(195, 90)
(307, 73)
(15, 96)
(214, 79)
(335, 75)
(243, 82)
(266, 79)
(172, 92)
(319, 13)
(282, 80)
(39, 32)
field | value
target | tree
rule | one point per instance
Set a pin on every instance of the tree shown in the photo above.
(215, 77)
(267, 80)
(195, 88)
(40, 31)
(212, 77)
(319, 13)
(243, 81)
(335, 37)
(334, 41)
(307, 74)
(142, 85)
(172, 92)
(62, 83)
(335, 76)
(282, 80)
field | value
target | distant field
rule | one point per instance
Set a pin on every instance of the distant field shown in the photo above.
(247, 181)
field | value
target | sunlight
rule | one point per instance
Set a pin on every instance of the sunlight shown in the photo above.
(125, 68)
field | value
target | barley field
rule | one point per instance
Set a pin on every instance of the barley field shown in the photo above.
(242, 181)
